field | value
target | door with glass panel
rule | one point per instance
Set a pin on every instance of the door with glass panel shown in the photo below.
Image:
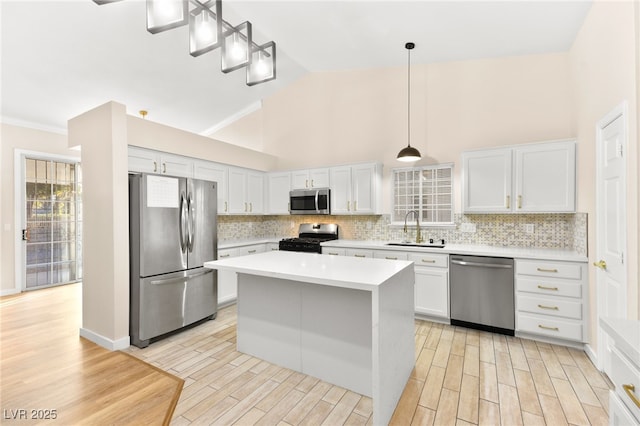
(53, 218)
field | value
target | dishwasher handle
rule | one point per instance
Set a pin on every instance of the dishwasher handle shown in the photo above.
(482, 265)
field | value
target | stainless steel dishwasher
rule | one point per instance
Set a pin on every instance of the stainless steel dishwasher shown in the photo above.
(481, 293)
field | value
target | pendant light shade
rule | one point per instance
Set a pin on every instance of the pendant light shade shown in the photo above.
(409, 153)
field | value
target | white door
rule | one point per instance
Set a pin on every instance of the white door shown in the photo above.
(611, 225)
(341, 190)
(486, 184)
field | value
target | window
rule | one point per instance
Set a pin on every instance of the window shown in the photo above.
(427, 190)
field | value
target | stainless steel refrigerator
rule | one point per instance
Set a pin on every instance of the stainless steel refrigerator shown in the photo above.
(172, 227)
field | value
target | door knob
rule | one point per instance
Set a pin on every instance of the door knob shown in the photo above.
(600, 264)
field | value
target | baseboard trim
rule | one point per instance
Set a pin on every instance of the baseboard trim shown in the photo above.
(9, 292)
(593, 356)
(112, 345)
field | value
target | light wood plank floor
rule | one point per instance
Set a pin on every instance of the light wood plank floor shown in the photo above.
(48, 374)
(461, 377)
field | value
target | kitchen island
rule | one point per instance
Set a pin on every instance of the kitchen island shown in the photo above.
(347, 321)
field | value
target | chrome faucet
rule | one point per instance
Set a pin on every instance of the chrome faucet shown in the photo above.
(418, 236)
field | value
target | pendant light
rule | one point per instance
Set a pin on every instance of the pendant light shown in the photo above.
(409, 153)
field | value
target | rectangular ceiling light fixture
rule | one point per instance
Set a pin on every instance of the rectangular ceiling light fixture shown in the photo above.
(205, 27)
(263, 64)
(163, 15)
(236, 47)
(208, 31)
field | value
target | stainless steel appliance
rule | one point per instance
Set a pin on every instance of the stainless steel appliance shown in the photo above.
(310, 235)
(481, 293)
(310, 201)
(172, 232)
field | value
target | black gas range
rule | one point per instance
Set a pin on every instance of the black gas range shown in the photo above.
(310, 235)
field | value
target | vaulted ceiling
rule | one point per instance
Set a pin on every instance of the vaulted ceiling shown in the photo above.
(62, 58)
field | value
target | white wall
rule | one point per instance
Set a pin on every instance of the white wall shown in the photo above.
(19, 138)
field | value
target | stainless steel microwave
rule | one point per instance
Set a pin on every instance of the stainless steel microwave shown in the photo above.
(310, 201)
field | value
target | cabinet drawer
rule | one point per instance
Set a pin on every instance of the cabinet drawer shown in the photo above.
(549, 287)
(624, 373)
(390, 255)
(333, 251)
(542, 268)
(550, 326)
(550, 306)
(430, 259)
(359, 253)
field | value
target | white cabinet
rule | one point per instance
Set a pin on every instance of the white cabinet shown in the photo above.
(228, 280)
(246, 191)
(356, 189)
(356, 252)
(432, 284)
(313, 178)
(279, 185)
(487, 181)
(531, 178)
(551, 299)
(218, 173)
(545, 178)
(149, 161)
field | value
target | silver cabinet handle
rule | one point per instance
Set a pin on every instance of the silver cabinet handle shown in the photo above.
(164, 167)
(225, 206)
(359, 255)
(508, 202)
(333, 254)
(547, 270)
(428, 260)
(224, 255)
(391, 258)
(251, 251)
(548, 328)
(155, 167)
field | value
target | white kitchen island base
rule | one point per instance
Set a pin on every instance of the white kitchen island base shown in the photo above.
(347, 321)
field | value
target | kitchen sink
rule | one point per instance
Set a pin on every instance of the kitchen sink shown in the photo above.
(428, 245)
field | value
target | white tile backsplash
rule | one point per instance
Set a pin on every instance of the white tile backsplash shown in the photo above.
(556, 231)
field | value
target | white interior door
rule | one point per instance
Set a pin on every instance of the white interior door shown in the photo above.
(611, 226)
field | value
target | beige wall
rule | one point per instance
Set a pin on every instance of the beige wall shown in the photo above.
(343, 117)
(19, 138)
(604, 74)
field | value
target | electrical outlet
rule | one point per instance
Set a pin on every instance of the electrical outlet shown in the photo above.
(529, 228)
(468, 227)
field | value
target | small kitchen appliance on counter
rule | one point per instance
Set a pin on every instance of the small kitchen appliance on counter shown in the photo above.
(310, 235)
(172, 232)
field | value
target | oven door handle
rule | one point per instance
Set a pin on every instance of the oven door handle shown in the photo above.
(482, 265)
(316, 198)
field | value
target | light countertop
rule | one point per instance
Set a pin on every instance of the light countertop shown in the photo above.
(339, 271)
(626, 334)
(478, 250)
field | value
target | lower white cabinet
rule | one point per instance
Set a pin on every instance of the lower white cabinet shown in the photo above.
(227, 280)
(432, 284)
(551, 299)
(431, 276)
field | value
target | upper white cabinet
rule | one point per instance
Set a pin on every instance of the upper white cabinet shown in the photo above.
(356, 189)
(149, 161)
(278, 187)
(314, 178)
(531, 178)
(546, 178)
(208, 170)
(246, 191)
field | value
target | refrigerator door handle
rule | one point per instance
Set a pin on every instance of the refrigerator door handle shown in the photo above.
(183, 244)
(181, 279)
(190, 223)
